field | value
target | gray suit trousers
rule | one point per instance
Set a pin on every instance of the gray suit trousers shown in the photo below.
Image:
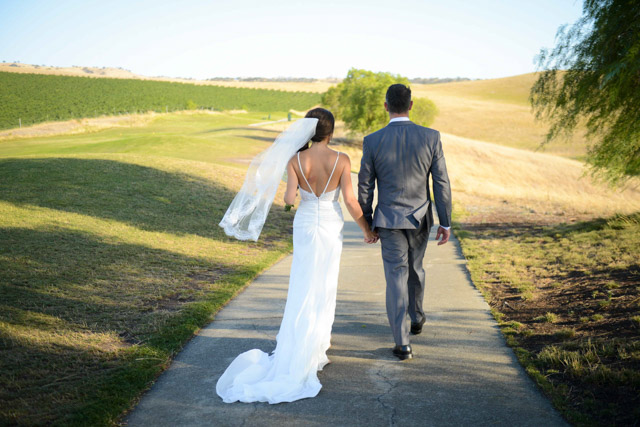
(402, 254)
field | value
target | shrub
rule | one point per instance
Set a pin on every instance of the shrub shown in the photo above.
(423, 112)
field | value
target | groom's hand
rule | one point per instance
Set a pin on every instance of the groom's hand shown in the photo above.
(445, 235)
(372, 237)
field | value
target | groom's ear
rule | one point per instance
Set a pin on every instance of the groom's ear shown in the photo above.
(410, 105)
(386, 106)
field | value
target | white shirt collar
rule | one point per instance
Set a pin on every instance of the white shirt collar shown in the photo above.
(400, 119)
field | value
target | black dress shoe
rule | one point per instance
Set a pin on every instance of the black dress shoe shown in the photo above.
(403, 352)
(416, 328)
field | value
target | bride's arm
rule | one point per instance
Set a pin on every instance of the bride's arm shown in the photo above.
(352, 203)
(292, 185)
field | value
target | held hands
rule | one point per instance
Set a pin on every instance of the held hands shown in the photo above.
(371, 237)
(442, 235)
(445, 235)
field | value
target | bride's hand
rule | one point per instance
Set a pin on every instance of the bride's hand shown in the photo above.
(370, 236)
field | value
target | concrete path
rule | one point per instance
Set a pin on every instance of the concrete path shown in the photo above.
(462, 372)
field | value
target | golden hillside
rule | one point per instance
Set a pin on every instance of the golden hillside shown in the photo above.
(495, 110)
(115, 73)
(486, 173)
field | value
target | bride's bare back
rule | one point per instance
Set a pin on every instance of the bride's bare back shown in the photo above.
(318, 165)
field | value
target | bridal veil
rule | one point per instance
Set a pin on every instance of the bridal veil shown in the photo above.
(248, 211)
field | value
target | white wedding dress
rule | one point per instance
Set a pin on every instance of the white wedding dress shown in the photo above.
(290, 372)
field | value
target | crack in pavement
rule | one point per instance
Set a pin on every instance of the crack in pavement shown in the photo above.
(391, 387)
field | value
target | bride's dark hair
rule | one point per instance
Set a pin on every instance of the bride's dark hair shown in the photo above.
(324, 128)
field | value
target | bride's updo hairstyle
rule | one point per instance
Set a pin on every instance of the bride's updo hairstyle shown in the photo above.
(324, 128)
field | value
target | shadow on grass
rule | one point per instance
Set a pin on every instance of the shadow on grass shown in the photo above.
(600, 234)
(258, 138)
(87, 323)
(144, 197)
(61, 289)
(508, 230)
(616, 222)
(243, 128)
(75, 276)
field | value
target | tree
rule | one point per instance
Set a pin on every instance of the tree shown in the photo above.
(592, 76)
(359, 100)
(423, 111)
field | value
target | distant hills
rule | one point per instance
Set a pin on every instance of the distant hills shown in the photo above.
(436, 80)
(121, 73)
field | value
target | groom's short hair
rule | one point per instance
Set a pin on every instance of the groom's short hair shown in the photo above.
(398, 98)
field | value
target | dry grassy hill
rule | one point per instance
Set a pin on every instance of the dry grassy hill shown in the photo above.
(485, 174)
(495, 110)
(116, 73)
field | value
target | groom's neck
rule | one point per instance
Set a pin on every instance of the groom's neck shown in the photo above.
(394, 115)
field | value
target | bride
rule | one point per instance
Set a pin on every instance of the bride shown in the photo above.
(290, 372)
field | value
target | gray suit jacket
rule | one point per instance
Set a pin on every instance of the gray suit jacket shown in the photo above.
(400, 157)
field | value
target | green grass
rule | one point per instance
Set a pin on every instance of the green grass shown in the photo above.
(576, 334)
(547, 317)
(212, 138)
(111, 259)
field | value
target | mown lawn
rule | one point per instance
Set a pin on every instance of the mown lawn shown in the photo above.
(567, 297)
(111, 258)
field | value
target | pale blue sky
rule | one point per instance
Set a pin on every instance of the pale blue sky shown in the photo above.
(271, 38)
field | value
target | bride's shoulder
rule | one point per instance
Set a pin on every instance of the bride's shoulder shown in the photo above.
(343, 159)
(341, 154)
(293, 162)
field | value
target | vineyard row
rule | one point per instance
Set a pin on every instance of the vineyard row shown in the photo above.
(27, 99)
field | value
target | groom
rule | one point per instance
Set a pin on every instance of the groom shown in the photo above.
(400, 157)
